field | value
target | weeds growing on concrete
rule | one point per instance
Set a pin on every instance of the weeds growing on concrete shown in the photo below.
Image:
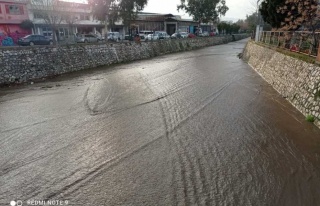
(310, 118)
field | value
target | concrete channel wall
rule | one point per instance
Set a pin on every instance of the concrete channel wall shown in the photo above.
(23, 64)
(296, 80)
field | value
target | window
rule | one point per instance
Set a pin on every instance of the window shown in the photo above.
(66, 31)
(37, 15)
(63, 32)
(35, 38)
(14, 9)
(84, 17)
(46, 31)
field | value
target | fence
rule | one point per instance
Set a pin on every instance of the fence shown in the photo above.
(303, 42)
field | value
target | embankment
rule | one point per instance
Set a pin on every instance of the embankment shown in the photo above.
(295, 80)
(23, 64)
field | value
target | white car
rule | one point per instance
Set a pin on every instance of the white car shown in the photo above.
(86, 38)
(163, 35)
(184, 34)
(113, 36)
(152, 37)
(145, 34)
(204, 34)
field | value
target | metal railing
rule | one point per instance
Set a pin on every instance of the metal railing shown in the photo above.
(303, 42)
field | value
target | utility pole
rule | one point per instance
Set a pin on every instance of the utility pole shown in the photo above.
(258, 28)
(107, 19)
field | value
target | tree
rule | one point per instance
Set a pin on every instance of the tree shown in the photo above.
(252, 21)
(243, 25)
(300, 13)
(113, 17)
(222, 8)
(127, 10)
(223, 27)
(204, 11)
(235, 28)
(71, 20)
(53, 13)
(228, 27)
(26, 24)
(270, 14)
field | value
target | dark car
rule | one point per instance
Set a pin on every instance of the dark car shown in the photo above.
(128, 37)
(31, 40)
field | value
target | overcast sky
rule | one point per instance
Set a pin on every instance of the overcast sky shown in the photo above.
(237, 8)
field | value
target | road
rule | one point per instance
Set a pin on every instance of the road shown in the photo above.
(193, 128)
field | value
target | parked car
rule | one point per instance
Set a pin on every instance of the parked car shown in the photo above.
(142, 37)
(176, 36)
(191, 35)
(145, 34)
(131, 37)
(156, 35)
(99, 37)
(184, 34)
(152, 37)
(86, 38)
(113, 36)
(163, 35)
(204, 34)
(33, 39)
(128, 37)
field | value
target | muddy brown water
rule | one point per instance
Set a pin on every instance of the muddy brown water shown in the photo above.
(192, 128)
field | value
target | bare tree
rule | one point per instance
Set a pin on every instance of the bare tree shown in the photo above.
(71, 19)
(302, 15)
(111, 10)
(53, 13)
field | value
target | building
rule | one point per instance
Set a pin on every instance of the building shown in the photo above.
(12, 13)
(78, 18)
(169, 23)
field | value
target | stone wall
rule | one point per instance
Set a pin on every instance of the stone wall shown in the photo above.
(294, 79)
(22, 64)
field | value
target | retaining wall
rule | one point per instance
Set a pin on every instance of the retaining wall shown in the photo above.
(296, 80)
(22, 64)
